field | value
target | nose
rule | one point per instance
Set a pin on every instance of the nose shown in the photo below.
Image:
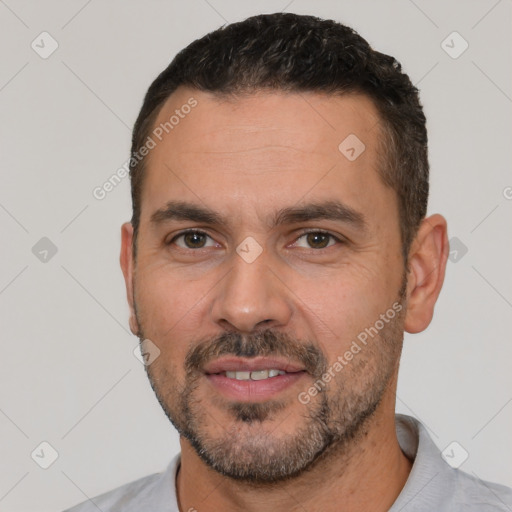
(251, 297)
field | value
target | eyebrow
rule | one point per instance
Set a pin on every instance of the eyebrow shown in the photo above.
(328, 210)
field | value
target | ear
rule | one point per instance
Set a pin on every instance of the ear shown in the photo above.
(427, 265)
(127, 266)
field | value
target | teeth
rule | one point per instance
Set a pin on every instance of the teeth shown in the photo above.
(259, 375)
(255, 375)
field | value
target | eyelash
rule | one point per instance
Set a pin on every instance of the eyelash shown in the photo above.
(199, 232)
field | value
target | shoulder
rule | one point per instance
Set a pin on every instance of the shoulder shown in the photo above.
(454, 490)
(119, 499)
(433, 483)
(474, 494)
(155, 492)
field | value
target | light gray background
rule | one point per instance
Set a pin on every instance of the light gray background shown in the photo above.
(69, 376)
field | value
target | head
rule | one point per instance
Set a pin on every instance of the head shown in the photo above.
(279, 219)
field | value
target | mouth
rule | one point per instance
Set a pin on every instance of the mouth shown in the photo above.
(254, 375)
(252, 380)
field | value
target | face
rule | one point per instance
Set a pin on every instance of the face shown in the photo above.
(269, 275)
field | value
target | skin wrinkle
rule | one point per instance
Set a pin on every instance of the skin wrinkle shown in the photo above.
(266, 147)
(307, 307)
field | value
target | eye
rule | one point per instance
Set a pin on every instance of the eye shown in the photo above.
(317, 240)
(192, 239)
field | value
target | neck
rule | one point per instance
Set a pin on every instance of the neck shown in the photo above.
(367, 475)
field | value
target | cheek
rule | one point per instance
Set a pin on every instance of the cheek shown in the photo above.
(340, 305)
(168, 307)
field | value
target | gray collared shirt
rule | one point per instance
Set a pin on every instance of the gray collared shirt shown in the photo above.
(433, 485)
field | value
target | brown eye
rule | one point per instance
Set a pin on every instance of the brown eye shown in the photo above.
(317, 240)
(192, 240)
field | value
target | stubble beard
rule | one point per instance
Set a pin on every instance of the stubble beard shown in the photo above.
(330, 425)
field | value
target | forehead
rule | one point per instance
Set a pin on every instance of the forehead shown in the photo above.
(262, 148)
(305, 120)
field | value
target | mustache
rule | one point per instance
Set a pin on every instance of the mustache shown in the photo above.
(262, 343)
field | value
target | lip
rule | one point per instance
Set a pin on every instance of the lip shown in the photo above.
(240, 364)
(253, 390)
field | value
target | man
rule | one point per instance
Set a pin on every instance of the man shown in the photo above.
(278, 250)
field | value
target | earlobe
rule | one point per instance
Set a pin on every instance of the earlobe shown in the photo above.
(126, 261)
(427, 265)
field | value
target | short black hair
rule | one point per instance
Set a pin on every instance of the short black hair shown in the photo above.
(297, 53)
